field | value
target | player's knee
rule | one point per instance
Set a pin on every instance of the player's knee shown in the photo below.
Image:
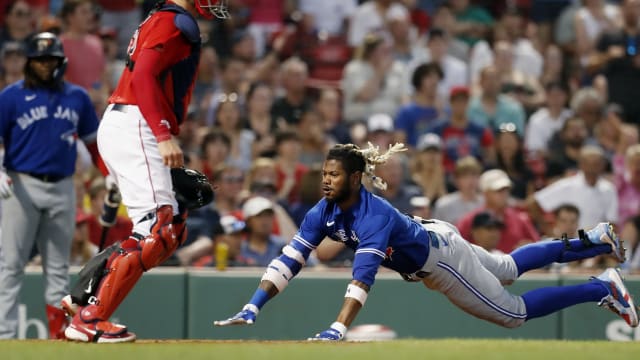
(163, 240)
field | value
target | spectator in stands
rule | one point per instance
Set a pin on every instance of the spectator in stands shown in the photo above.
(453, 206)
(288, 108)
(472, 22)
(526, 58)
(380, 130)
(564, 147)
(81, 248)
(631, 234)
(547, 120)
(203, 225)
(485, 231)
(520, 85)
(206, 78)
(18, 24)
(123, 15)
(119, 231)
(114, 64)
(427, 170)
(214, 150)
(510, 157)
(462, 137)
(87, 64)
(553, 70)
(369, 18)
(328, 107)
(310, 194)
(329, 16)
(259, 119)
(288, 166)
(415, 118)
(261, 244)
(229, 121)
(420, 207)
(491, 108)
(589, 104)
(399, 191)
(372, 81)
(566, 218)
(265, 18)
(618, 56)
(626, 170)
(583, 190)
(313, 141)
(592, 19)
(518, 229)
(229, 181)
(12, 62)
(404, 46)
(232, 76)
(443, 18)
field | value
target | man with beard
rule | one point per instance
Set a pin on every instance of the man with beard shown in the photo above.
(430, 251)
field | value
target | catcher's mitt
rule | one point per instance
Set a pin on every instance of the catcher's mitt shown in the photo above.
(192, 188)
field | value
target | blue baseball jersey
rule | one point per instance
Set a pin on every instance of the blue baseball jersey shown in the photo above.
(39, 127)
(379, 234)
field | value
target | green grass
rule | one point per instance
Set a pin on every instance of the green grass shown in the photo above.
(258, 350)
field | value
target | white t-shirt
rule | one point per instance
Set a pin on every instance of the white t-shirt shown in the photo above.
(329, 15)
(456, 73)
(366, 19)
(541, 127)
(596, 203)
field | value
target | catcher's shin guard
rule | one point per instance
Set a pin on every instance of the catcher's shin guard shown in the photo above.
(127, 265)
(57, 320)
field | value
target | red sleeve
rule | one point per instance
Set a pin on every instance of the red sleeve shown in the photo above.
(464, 226)
(96, 158)
(487, 138)
(155, 58)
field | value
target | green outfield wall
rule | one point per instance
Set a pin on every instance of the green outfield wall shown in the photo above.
(182, 304)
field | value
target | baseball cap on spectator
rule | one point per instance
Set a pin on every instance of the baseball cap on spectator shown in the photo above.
(459, 91)
(419, 202)
(380, 122)
(12, 47)
(399, 13)
(230, 224)
(429, 141)
(494, 180)
(487, 220)
(256, 206)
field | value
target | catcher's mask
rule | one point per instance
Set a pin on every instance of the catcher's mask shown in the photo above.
(212, 8)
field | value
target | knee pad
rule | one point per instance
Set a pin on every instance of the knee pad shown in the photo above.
(163, 240)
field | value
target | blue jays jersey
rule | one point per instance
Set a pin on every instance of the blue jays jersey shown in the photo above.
(379, 234)
(39, 127)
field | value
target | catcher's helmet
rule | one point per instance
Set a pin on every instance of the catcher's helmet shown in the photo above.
(192, 188)
(48, 44)
(210, 8)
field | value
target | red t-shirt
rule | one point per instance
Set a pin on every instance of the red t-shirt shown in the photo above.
(87, 62)
(163, 76)
(517, 227)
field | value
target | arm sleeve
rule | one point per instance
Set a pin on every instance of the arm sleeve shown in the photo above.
(371, 250)
(153, 60)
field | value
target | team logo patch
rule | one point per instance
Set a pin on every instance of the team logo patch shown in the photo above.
(388, 253)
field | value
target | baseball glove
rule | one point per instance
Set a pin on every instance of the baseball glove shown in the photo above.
(192, 188)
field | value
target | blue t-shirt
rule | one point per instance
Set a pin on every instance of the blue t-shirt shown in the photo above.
(39, 127)
(379, 234)
(414, 120)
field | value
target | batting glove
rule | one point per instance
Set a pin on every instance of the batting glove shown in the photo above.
(334, 333)
(6, 185)
(246, 316)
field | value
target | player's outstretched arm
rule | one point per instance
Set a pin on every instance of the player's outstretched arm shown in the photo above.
(354, 299)
(249, 312)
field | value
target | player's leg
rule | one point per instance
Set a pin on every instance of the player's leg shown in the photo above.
(460, 276)
(502, 266)
(147, 192)
(54, 244)
(599, 240)
(18, 236)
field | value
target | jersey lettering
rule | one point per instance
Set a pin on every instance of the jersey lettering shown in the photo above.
(34, 114)
(67, 114)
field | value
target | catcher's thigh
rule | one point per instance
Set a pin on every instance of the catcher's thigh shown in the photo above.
(460, 275)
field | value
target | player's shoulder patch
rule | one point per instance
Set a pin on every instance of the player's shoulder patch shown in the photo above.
(188, 26)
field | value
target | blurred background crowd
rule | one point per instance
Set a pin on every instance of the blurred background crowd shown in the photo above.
(521, 116)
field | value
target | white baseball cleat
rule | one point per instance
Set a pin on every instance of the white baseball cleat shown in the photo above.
(619, 300)
(603, 233)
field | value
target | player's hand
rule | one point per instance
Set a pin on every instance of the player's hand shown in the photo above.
(334, 333)
(171, 153)
(246, 316)
(6, 185)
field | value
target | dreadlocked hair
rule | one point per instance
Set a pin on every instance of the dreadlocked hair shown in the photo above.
(365, 160)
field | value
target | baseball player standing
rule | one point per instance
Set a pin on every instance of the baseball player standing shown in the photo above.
(136, 141)
(430, 251)
(41, 118)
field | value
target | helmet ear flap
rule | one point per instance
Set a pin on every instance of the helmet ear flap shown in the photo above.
(58, 73)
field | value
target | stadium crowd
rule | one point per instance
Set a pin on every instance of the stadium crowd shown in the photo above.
(520, 115)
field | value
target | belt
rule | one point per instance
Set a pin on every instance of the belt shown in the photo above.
(119, 107)
(47, 178)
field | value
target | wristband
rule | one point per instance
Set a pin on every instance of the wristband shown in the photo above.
(356, 292)
(340, 327)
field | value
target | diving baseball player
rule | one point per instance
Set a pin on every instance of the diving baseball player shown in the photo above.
(430, 251)
(136, 141)
(41, 119)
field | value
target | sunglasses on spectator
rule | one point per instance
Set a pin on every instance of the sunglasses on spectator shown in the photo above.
(232, 97)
